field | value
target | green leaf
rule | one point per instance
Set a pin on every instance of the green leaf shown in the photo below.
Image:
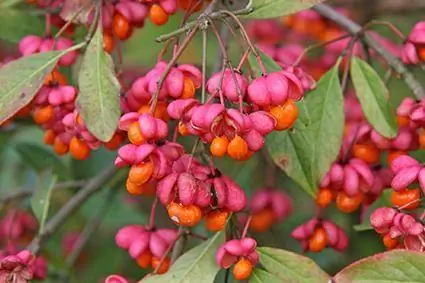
(389, 267)
(293, 152)
(16, 24)
(291, 267)
(383, 200)
(98, 99)
(195, 266)
(325, 106)
(264, 9)
(374, 98)
(21, 79)
(39, 158)
(262, 276)
(40, 201)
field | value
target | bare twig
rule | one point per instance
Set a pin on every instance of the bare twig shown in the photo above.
(204, 62)
(182, 47)
(355, 29)
(179, 245)
(91, 226)
(70, 207)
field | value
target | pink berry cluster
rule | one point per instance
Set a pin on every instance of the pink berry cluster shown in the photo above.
(241, 254)
(352, 178)
(190, 183)
(16, 230)
(268, 206)
(399, 229)
(145, 245)
(21, 267)
(54, 105)
(32, 44)
(316, 234)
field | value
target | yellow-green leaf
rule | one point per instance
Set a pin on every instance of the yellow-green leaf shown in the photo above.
(21, 79)
(389, 267)
(264, 9)
(291, 267)
(198, 265)
(374, 98)
(98, 99)
(40, 201)
(325, 106)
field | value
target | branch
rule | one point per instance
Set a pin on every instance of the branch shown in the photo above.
(180, 243)
(70, 207)
(91, 226)
(356, 30)
(386, 6)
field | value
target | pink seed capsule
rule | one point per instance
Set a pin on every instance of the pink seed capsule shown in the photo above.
(139, 245)
(405, 177)
(30, 44)
(174, 83)
(258, 92)
(236, 198)
(165, 188)
(187, 188)
(169, 6)
(168, 235)
(157, 245)
(115, 279)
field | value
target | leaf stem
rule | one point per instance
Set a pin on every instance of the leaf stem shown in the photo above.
(151, 223)
(245, 229)
(204, 62)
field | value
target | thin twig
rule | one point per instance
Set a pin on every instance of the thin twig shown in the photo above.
(179, 245)
(190, 25)
(151, 223)
(204, 62)
(91, 226)
(389, 25)
(355, 29)
(245, 229)
(318, 45)
(183, 46)
(70, 207)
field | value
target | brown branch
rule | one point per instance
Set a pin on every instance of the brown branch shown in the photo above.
(90, 227)
(356, 30)
(385, 6)
(70, 207)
